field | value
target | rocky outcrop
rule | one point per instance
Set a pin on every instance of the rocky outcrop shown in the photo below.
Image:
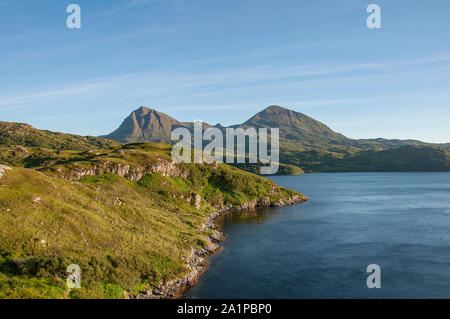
(197, 259)
(3, 168)
(198, 201)
(134, 173)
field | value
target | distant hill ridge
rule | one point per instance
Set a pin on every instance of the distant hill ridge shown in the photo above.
(304, 142)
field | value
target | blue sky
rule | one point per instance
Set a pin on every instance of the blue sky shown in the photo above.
(224, 60)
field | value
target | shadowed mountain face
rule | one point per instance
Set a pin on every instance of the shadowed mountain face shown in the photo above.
(304, 142)
(145, 125)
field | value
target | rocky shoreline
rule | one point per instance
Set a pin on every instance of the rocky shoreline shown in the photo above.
(197, 262)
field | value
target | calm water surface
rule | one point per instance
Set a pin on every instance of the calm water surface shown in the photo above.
(321, 249)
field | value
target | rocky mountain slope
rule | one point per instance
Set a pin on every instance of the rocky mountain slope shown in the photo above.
(145, 125)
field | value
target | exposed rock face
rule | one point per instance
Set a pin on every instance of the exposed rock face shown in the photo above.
(144, 125)
(198, 201)
(166, 167)
(147, 125)
(265, 202)
(3, 168)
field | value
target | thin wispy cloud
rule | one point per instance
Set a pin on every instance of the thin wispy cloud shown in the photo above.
(14, 37)
(165, 31)
(139, 4)
(67, 91)
(147, 84)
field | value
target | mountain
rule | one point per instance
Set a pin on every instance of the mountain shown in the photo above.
(147, 125)
(295, 126)
(306, 143)
(144, 125)
(125, 213)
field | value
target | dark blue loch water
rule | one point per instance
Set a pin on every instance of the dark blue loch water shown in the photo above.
(321, 249)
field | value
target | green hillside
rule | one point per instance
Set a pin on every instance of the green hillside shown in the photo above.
(125, 214)
(408, 158)
(26, 135)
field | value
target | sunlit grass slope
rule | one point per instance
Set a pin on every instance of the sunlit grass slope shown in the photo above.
(126, 233)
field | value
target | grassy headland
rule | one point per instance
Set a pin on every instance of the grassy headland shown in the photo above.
(125, 214)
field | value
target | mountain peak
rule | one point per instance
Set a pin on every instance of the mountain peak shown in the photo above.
(279, 111)
(275, 116)
(144, 124)
(274, 108)
(144, 110)
(293, 125)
